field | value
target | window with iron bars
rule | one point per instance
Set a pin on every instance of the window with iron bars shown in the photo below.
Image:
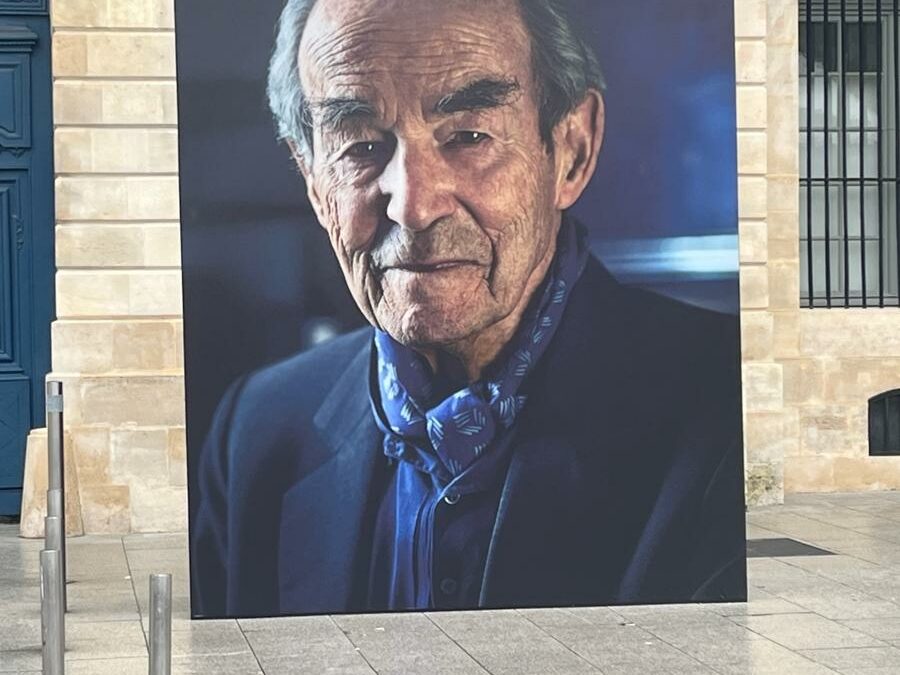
(849, 153)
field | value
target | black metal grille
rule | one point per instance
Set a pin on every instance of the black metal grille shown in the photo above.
(850, 153)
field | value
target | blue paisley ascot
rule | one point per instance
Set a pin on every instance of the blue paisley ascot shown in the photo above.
(443, 438)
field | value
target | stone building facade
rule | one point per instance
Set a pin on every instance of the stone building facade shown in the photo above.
(117, 341)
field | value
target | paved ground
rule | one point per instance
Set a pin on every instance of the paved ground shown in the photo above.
(807, 614)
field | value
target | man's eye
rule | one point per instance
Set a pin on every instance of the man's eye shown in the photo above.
(463, 138)
(363, 151)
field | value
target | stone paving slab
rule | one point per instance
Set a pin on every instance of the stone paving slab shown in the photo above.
(805, 616)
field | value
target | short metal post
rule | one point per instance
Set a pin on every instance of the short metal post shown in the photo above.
(53, 537)
(56, 471)
(160, 624)
(53, 618)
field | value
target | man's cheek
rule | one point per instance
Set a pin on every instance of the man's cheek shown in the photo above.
(351, 222)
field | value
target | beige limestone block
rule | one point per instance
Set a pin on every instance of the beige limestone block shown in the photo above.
(139, 103)
(867, 333)
(158, 509)
(79, 198)
(78, 13)
(783, 193)
(804, 381)
(764, 484)
(145, 346)
(784, 286)
(82, 346)
(34, 492)
(114, 102)
(155, 293)
(857, 380)
(93, 150)
(866, 473)
(114, 54)
(750, 61)
(753, 241)
(752, 107)
(752, 196)
(756, 336)
(98, 198)
(98, 245)
(825, 430)
(749, 18)
(786, 334)
(151, 198)
(769, 437)
(754, 282)
(91, 294)
(177, 457)
(784, 250)
(70, 54)
(139, 456)
(809, 474)
(106, 509)
(162, 245)
(146, 400)
(783, 144)
(112, 14)
(77, 102)
(751, 152)
(146, 14)
(782, 22)
(92, 454)
(763, 387)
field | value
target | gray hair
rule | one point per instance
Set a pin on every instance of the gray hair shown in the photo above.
(564, 65)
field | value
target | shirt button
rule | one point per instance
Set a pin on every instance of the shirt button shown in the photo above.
(452, 497)
(448, 586)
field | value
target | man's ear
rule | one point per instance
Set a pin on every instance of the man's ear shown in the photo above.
(577, 140)
(304, 166)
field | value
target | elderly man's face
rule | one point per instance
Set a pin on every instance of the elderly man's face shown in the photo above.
(428, 170)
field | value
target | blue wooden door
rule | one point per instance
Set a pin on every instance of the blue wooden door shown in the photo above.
(26, 233)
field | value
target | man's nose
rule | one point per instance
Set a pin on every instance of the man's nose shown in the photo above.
(417, 184)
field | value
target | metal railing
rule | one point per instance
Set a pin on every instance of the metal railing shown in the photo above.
(850, 197)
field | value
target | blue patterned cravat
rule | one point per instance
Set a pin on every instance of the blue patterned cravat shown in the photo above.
(444, 437)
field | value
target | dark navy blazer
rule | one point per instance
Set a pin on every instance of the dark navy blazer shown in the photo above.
(625, 483)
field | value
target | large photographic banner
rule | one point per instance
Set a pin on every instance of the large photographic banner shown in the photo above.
(461, 304)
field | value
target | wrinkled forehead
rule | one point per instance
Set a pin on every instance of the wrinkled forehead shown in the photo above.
(414, 47)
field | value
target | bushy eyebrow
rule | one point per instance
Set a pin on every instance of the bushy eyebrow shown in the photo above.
(482, 94)
(339, 113)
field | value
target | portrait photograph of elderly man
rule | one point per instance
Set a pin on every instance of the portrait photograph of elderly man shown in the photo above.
(505, 420)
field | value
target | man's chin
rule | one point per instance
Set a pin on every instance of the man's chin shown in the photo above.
(423, 327)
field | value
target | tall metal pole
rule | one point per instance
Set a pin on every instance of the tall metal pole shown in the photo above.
(53, 536)
(160, 624)
(53, 618)
(56, 471)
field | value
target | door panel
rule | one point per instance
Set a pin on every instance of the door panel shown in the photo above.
(26, 233)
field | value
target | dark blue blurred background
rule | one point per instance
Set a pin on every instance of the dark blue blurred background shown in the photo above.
(260, 280)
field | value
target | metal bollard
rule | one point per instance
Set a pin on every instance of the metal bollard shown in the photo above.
(55, 541)
(53, 618)
(160, 624)
(56, 471)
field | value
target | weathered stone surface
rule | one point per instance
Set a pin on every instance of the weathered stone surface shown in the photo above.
(754, 280)
(750, 61)
(108, 54)
(764, 483)
(763, 387)
(750, 18)
(752, 106)
(34, 497)
(752, 197)
(106, 509)
(757, 332)
(114, 102)
(112, 14)
(753, 242)
(98, 150)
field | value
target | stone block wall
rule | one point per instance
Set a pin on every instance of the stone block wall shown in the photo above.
(117, 342)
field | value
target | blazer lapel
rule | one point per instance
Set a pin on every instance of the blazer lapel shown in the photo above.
(324, 514)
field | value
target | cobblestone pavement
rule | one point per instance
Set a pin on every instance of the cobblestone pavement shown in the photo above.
(807, 614)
